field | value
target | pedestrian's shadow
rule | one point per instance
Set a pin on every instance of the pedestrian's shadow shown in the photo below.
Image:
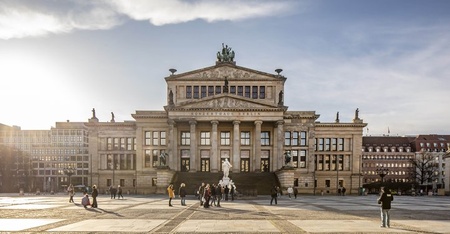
(107, 211)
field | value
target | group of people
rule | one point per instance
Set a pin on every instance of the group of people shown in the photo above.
(116, 191)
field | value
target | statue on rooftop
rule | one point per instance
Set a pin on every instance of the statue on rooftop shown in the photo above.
(227, 54)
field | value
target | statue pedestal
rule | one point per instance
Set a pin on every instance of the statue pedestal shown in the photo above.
(226, 181)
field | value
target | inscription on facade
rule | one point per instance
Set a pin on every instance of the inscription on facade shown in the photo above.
(225, 114)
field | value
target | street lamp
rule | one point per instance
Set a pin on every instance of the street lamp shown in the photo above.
(69, 172)
(382, 172)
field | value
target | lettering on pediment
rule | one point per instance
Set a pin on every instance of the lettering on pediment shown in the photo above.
(225, 103)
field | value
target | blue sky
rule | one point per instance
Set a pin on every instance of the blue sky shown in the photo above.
(390, 59)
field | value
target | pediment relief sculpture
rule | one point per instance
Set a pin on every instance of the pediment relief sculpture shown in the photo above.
(225, 103)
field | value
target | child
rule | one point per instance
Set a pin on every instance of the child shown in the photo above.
(85, 200)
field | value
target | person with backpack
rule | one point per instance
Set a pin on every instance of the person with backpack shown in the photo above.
(385, 200)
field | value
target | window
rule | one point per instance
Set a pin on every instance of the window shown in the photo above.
(287, 138)
(203, 91)
(122, 143)
(148, 138)
(303, 138)
(255, 92)
(320, 145)
(205, 138)
(210, 90)
(225, 138)
(185, 138)
(196, 92)
(155, 138)
(122, 182)
(233, 89)
(265, 138)
(302, 159)
(327, 144)
(218, 89)
(247, 91)
(245, 138)
(109, 143)
(340, 144)
(189, 92)
(262, 92)
(240, 90)
(163, 138)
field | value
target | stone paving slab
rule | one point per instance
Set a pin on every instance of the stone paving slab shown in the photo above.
(230, 226)
(111, 225)
(343, 226)
(434, 226)
(10, 225)
(30, 206)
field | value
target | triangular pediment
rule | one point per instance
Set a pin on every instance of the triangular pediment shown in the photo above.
(225, 102)
(220, 71)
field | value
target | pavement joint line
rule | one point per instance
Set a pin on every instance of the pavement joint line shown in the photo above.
(171, 224)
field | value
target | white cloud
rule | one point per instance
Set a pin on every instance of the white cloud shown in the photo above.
(19, 19)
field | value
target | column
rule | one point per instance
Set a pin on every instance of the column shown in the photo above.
(171, 146)
(257, 155)
(278, 154)
(236, 146)
(194, 155)
(214, 158)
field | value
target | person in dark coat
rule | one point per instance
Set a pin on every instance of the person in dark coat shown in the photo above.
(94, 196)
(295, 192)
(207, 196)
(218, 194)
(274, 194)
(385, 200)
(227, 191)
(119, 193)
(182, 193)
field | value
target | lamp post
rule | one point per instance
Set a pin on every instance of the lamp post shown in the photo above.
(382, 172)
(69, 172)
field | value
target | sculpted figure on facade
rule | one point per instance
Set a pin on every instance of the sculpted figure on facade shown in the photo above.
(227, 54)
(226, 168)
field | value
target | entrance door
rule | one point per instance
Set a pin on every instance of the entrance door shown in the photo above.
(185, 164)
(265, 165)
(204, 164)
(245, 164)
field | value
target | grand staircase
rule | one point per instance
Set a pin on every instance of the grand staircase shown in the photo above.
(247, 184)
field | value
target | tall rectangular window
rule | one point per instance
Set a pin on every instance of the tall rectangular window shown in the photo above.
(247, 91)
(109, 143)
(116, 143)
(218, 89)
(265, 138)
(233, 89)
(205, 138)
(294, 155)
(327, 144)
(340, 144)
(148, 158)
(262, 92)
(122, 143)
(155, 156)
(148, 138)
(188, 92)
(203, 91)
(295, 138)
(302, 159)
(155, 138)
(163, 138)
(245, 138)
(196, 92)
(302, 138)
(240, 91)
(333, 144)
(129, 143)
(320, 146)
(225, 138)
(255, 92)
(287, 138)
(185, 138)
(210, 90)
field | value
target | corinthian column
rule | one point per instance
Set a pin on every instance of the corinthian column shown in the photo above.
(194, 155)
(278, 162)
(171, 146)
(236, 146)
(214, 160)
(257, 144)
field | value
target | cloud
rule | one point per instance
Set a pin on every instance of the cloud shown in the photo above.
(19, 19)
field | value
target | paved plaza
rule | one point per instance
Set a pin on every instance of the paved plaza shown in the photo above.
(151, 214)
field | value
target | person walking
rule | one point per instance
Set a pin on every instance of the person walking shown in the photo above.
(71, 192)
(274, 194)
(213, 195)
(94, 196)
(207, 196)
(295, 192)
(218, 194)
(119, 193)
(385, 200)
(227, 191)
(200, 192)
(182, 194)
(171, 193)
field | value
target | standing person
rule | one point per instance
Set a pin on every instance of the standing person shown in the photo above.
(385, 200)
(343, 191)
(71, 192)
(207, 196)
(94, 196)
(213, 195)
(111, 188)
(171, 193)
(295, 192)
(274, 194)
(119, 193)
(218, 194)
(182, 194)
(201, 190)
(232, 190)
(290, 191)
(227, 190)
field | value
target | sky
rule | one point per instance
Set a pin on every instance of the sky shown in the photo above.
(390, 59)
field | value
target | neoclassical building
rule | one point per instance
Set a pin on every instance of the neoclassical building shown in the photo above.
(223, 112)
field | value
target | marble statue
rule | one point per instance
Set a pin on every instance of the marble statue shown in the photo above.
(226, 168)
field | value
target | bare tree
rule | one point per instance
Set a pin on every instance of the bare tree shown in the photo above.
(425, 167)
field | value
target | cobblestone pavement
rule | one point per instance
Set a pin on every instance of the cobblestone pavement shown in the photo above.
(151, 214)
